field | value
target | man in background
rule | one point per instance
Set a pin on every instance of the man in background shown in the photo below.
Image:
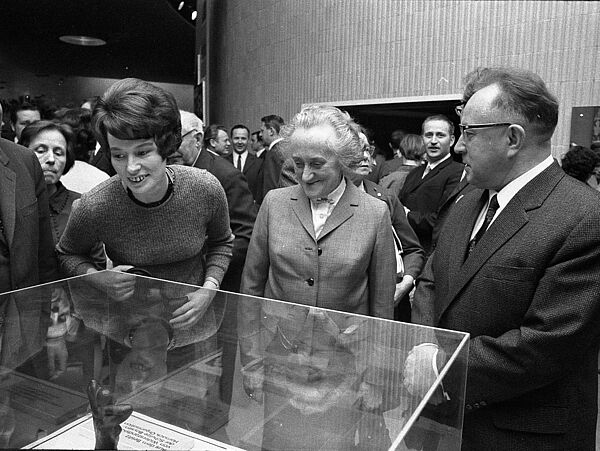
(273, 157)
(428, 186)
(257, 144)
(216, 140)
(22, 115)
(245, 162)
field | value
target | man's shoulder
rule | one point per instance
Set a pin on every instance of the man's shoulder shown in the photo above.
(15, 151)
(451, 166)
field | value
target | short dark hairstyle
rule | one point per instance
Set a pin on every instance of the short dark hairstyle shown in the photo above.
(439, 117)
(523, 93)
(35, 128)
(212, 132)
(580, 162)
(273, 121)
(395, 140)
(258, 136)
(412, 147)
(235, 127)
(80, 120)
(135, 109)
(23, 106)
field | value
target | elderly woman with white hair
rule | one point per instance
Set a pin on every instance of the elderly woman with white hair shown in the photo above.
(321, 243)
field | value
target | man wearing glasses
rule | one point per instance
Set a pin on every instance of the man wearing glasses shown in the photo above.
(428, 186)
(517, 266)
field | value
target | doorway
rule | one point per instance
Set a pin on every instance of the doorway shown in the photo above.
(382, 116)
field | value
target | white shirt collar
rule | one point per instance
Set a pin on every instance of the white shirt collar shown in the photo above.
(275, 141)
(509, 191)
(437, 163)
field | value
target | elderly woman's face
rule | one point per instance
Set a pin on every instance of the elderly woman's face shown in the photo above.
(50, 146)
(317, 171)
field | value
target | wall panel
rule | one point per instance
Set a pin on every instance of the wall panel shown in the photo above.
(275, 55)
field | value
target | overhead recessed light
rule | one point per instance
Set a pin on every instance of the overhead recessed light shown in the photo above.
(181, 5)
(86, 41)
(194, 14)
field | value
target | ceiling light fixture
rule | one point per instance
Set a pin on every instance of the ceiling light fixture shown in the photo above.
(181, 5)
(194, 14)
(86, 41)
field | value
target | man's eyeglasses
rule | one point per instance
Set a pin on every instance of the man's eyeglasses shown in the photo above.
(464, 127)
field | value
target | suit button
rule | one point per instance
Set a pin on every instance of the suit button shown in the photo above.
(483, 403)
(319, 251)
(469, 407)
(476, 405)
(310, 282)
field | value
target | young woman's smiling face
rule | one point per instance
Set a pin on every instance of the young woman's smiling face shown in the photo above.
(140, 167)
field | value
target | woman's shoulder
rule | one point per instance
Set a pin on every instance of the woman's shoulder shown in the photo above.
(103, 194)
(191, 178)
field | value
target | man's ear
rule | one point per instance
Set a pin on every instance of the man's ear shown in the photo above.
(516, 139)
(213, 143)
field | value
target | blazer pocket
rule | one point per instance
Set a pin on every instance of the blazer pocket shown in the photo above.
(530, 418)
(501, 272)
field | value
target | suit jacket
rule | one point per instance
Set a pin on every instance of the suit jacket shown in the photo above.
(285, 261)
(26, 217)
(413, 254)
(456, 195)
(276, 174)
(424, 196)
(242, 212)
(389, 166)
(528, 295)
(253, 172)
(26, 220)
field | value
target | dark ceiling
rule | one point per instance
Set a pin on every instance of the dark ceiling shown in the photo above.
(146, 39)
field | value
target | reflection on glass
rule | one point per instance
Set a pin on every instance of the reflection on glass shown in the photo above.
(308, 373)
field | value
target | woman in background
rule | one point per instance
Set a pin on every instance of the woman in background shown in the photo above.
(412, 149)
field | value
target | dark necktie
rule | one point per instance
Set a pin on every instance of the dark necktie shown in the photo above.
(239, 163)
(486, 223)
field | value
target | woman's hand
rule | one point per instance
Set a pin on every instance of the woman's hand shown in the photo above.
(118, 285)
(189, 313)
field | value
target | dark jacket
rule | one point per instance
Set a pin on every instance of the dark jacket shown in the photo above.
(242, 212)
(424, 196)
(253, 171)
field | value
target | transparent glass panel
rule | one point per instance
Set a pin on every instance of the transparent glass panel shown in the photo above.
(251, 373)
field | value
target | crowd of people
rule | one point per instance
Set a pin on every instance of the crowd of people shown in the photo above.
(480, 231)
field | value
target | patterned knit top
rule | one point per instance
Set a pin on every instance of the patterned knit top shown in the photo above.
(184, 239)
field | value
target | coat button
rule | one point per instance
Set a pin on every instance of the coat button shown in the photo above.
(310, 282)
(469, 407)
(483, 403)
(319, 251)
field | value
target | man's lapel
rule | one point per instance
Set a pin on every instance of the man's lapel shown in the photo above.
(8, 183)
(510, 220)
(414, 179)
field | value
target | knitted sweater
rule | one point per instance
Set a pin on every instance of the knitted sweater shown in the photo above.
(168, 240)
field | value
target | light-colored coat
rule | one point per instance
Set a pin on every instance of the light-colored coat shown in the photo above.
(350, 268)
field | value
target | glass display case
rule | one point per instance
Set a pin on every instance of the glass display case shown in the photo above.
(251, 373)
